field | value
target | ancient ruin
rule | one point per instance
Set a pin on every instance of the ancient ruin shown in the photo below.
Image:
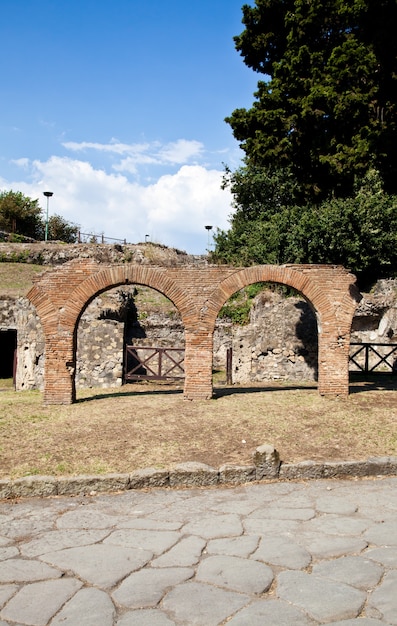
(60, 297)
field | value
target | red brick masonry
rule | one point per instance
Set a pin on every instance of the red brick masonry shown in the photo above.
(61, 295)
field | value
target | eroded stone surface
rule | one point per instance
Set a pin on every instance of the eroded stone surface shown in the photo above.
(199, 604)
(88, 607)
(353, 570)
(147, 587)
(384, 598)
(36, 603)
(20, 570)
(271, 612)
(324, 600)
(243, 546)
(157, 542)
(204, 556)
(145, 617)
(100, 565)
(282, 551)
(234, 573)
(184, 554)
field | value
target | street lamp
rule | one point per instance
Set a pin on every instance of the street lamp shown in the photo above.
(48, 195)
(208, 229)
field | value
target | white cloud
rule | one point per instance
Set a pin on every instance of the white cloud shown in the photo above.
(172, 210)
(131, 163)
(114, 147)
(181, 151)
(177, 153)
(23, 162)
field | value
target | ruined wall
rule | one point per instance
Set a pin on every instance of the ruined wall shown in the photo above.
(376, 315)
(18, 314)
(279, 343)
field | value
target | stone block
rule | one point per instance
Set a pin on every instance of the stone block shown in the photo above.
(34, 486)
(237, 474)
(267, 462)
(149, 477)
(382, 466)
(305, 469)
(336, 469)
(85, 484)
(6, 489)
(192, 474)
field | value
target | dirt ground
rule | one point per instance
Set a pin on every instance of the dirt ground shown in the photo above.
(145, 425)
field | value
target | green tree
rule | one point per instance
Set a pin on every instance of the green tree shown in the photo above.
(19, 214)
(60, 229)
(261, 200)
(359, 232)
(328, 110)
(22, 217)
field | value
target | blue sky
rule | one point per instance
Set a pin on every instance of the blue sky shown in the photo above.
(118, 107)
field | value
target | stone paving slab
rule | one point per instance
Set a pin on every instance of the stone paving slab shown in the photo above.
(99, 564)
(352, 570)
(323, 599)
(383, 600)
(36, 603)
(271, 612)
(296, 553)
(145, 617)
(148, 586)
(235, 573)
(88, 607)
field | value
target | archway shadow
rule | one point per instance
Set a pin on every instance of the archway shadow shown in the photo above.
(220, 392)
(358, 383)
(131, 393)
(307, 332)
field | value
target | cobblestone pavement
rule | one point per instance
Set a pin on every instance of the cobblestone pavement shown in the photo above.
(278, 554)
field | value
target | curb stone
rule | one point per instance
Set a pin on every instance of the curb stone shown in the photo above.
(194, 474)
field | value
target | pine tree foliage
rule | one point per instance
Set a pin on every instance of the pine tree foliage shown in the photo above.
(319, 180)
(328, 104)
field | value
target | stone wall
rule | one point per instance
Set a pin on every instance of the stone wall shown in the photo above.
(279, 343)
(55, 253)
(18, 314)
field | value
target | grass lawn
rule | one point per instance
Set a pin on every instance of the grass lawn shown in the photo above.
(145, 425)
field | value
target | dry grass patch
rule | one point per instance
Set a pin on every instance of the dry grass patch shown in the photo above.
(143, 425)
(17, 278)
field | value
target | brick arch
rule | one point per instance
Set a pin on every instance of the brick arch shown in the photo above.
(61, 302)
(331, 292)
(116, 276)
(310, 288)
(61, 295)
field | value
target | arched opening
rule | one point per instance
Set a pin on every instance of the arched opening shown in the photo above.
(330, 292)
(269, 333)
(127, 333)
(154, 339)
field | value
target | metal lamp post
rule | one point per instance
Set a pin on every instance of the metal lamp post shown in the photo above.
(48, 195)
(208, 229)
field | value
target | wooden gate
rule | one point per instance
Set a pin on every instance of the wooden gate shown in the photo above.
(153, 363)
